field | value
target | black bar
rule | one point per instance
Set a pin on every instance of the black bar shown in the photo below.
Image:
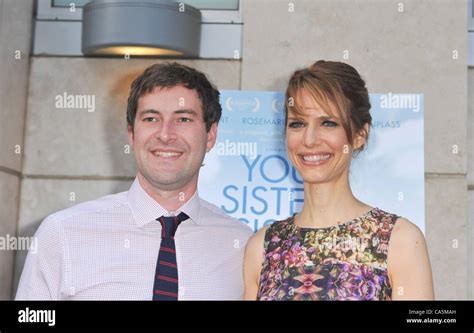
(369, 316)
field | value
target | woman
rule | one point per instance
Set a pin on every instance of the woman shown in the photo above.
(337, 248)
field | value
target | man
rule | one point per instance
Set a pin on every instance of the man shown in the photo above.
(159, 240)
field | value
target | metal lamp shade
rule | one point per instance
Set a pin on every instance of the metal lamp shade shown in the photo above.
(141, 27)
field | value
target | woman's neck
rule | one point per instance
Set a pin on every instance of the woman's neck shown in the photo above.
(329, 204)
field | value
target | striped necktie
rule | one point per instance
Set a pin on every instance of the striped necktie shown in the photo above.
(166, 276)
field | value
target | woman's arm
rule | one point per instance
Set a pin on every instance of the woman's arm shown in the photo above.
(253, 264)
(409, 264)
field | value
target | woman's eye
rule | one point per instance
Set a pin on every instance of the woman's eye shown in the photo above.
(295, 124)
(329, 123)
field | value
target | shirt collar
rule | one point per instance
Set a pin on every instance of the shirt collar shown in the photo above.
(146, 210)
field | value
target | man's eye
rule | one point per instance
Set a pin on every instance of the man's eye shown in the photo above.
(149, 119)
(184, 120)
(295, 124)
(329, 123)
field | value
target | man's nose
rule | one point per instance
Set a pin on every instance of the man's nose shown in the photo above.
(167, 131)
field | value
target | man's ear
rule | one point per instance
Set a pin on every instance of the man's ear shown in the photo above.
(211, 137)
(361, 137)
(130, 135)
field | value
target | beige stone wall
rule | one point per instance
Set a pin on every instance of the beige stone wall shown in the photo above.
(80, 152)
(15, 36)
(470, 180)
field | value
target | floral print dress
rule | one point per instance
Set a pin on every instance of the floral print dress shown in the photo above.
(343, 262)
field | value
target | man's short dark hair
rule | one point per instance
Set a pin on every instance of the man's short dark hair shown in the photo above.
(168, 75)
